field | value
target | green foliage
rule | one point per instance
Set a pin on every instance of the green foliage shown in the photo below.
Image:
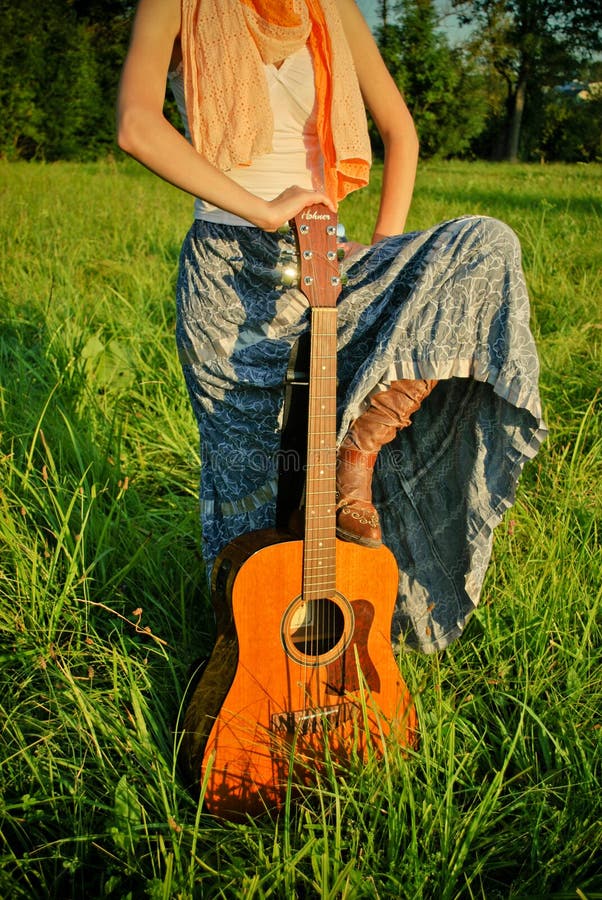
(572, 129)
(60, 70)
(102, 593)
(59, 78)
(441, 86)
(525, 46)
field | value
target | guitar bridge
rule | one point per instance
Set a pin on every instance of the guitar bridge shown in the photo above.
(313, 721)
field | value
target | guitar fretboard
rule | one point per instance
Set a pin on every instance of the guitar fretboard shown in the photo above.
(320, 499)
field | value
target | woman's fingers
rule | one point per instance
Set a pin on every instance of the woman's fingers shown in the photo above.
(291, 201)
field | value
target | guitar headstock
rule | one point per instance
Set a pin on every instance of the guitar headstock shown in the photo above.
(320, 281)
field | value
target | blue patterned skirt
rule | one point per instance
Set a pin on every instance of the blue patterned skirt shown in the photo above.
(448, 303)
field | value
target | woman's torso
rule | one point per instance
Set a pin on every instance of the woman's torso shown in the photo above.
(295, 157)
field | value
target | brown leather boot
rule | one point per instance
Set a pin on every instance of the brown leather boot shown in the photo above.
(357, 519)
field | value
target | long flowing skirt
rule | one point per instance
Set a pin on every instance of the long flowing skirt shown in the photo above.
(448, 303)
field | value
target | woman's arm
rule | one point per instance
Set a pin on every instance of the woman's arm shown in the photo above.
(144, 132)
(392, 119)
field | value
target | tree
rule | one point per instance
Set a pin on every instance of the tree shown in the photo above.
(571, 124)
(531, 44)
(440, 84)
(59, 76)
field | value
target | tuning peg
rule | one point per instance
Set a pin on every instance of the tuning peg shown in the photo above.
(285, 275)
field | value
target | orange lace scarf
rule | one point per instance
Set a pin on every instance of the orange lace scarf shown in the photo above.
(226, 43)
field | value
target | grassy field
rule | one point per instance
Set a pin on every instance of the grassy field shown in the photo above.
(103, 606)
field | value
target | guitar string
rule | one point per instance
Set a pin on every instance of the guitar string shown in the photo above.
(322, 620)
(321, 555)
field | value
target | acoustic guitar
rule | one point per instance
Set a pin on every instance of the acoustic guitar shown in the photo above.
(302, 669)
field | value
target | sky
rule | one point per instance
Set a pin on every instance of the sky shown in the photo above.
(369, 10)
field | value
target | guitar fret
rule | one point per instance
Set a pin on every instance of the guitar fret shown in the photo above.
(319, 566)
(325, 564)
(321, 546)
(321, 532)
(317, 575)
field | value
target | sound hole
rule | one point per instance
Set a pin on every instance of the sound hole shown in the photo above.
(316, 631)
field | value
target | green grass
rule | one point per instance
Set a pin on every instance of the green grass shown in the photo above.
(103, 604)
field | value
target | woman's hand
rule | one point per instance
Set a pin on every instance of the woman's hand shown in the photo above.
(287, 205)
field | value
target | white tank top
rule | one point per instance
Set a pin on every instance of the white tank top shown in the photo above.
(295, 157)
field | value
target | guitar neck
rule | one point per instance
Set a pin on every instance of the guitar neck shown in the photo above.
(319, 576)
(320, 282)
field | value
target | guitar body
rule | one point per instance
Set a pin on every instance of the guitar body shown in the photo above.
(282, 688)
